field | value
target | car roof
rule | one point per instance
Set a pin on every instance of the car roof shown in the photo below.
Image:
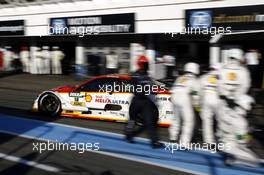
(120, 76)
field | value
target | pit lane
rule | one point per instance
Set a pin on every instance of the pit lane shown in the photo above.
(17, 95)
(19, 91)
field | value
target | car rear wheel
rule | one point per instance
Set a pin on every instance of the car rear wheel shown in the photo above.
(49, 104)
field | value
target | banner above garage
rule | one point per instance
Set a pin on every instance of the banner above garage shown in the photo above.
(238, 18)
(87, 25)
(15, 27)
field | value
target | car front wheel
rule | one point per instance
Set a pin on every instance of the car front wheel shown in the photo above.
(49, 104)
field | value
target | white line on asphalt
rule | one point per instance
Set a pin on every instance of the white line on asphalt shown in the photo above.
(29, 163)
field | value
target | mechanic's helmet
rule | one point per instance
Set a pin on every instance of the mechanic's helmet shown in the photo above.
(246, 102)
(236, 54)
(45, 47)
(215, 66)
(192, 68)
(143, 63)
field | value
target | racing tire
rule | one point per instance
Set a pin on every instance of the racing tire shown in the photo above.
(49, 104)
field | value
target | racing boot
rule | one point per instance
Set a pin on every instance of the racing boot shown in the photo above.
(129, 131)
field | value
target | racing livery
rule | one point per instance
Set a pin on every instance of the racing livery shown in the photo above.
(93, 100)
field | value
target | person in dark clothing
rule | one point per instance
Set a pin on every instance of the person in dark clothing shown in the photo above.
(143, 106)
(253, 61)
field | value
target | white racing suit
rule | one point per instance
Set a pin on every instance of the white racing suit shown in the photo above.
(209, 104)
(24, 56)
(234, 83)
(8, 58)
(184, 96)
(38, 62)
(46, 61)
(56, 58)
(36, 65)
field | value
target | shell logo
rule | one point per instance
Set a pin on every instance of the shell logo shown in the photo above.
(212, 80)
(183, 80)
(232, 76)
(88, 98)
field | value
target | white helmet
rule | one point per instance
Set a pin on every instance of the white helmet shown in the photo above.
(192, 68)
(236, 53)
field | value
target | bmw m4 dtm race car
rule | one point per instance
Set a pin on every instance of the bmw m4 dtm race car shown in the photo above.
(94, 99)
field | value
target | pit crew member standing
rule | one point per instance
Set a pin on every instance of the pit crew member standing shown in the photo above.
(234, 84)
(143, 105)
(46, 59)
(169, 62)
(209, 102)
(38, 62)
(1, 59)
(8, 58)
(112, 63)
(185, 95)
(56, 58)
(24, 56)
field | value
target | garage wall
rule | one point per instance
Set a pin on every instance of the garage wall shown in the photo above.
(152, 16)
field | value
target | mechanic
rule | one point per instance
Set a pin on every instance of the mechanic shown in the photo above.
(24, 56)
(143, 106)
(185, 96)
(56, 57)
(38, 61)
(234, 84)
(1, 59)
(112, 63)
(46, 59)
(8, 58)
(169, 62)
(209, 102)
(33, 65)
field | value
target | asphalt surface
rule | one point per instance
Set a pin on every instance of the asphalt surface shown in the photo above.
(17, 93)
(69, 162)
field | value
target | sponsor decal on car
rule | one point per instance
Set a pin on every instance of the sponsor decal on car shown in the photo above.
(77, 103)
(76, 95)
(117, 114)
(88, 98)
(110, 101)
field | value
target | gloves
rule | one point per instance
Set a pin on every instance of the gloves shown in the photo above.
(245, 137)
(197, 109)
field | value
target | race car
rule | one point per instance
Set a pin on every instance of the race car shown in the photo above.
(94, 100)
